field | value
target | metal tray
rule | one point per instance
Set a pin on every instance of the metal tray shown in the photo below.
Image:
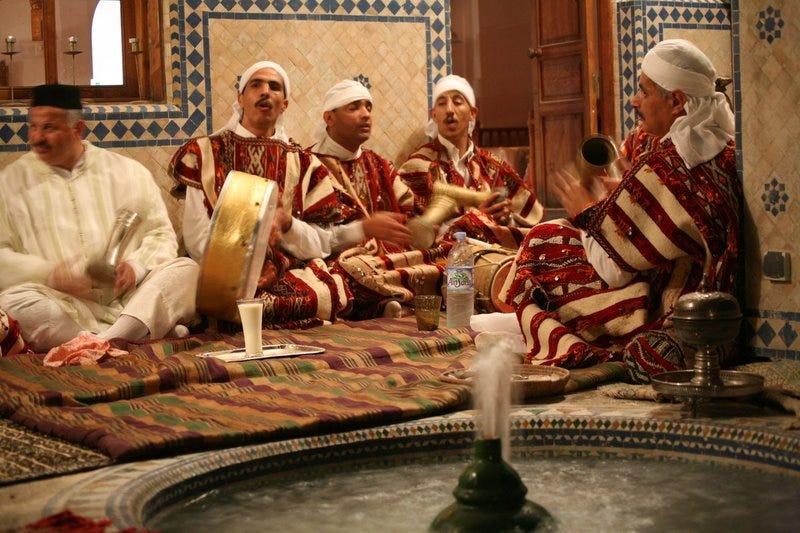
(268, 351)
(735, 384)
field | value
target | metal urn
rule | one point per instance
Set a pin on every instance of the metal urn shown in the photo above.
(707, 321)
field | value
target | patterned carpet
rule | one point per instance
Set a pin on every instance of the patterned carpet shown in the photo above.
(162, 399)
(27, 455)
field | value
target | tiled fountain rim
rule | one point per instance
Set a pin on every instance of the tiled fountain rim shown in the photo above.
(129, 494)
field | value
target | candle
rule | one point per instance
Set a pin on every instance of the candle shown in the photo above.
(10, 40)
(73, 43)
(134, 44)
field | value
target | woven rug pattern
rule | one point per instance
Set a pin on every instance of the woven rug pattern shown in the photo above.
(163, 399)
(26, 455)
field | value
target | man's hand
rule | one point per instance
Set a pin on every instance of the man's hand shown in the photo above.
(281, 223)
(283, 219)
(126, 278)
(63, 278)
(388, 226)
(500, 211)
(573, 196)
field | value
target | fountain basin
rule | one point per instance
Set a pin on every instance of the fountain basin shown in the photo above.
(133, 494)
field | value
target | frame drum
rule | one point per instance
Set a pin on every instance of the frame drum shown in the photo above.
(237, 244)
(492, 266)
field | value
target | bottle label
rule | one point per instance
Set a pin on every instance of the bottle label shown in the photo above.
(460, 279)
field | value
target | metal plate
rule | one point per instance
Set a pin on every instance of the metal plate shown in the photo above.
(735, 384)
(268, 351)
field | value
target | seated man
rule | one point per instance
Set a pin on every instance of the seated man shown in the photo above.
(379, 197)
(602, 285)
(296, 293)
(59, 207)
(451, 157)
(380, 201)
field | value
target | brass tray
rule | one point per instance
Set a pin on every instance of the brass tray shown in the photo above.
(531, 381)
(268, 351)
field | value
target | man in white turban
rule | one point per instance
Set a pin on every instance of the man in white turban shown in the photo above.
(254, 141)
(379, 198)
(452, 157)
(606, 291)
(377, 203)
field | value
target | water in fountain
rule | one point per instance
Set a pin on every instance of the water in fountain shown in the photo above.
(492, 390)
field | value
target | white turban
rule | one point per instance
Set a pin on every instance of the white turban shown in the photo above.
(677, 64)
(343, 93)
(236, 116)
(451, 83)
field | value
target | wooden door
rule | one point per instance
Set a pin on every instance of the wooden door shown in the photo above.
(564, 66)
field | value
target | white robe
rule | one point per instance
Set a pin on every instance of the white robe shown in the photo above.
(50, 216)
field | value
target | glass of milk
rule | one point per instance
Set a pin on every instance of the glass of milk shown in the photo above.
(250, 310)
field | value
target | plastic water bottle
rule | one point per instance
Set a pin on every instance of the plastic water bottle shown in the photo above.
(460, 283)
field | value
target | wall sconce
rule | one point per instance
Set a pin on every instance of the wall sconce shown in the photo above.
(10, 52)
(72, 43)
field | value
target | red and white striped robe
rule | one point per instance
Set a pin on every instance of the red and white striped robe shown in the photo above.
(669, 224)
(430, 163)
(295, 294)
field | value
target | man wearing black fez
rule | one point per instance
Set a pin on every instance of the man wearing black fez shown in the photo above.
(58, 212)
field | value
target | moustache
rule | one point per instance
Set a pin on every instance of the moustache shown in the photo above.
(40, 144)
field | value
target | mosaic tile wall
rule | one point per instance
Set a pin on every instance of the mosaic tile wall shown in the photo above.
(769, 58)
(754, 42)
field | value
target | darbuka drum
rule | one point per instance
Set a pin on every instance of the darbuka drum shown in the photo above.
(237, 244)
(492, 266)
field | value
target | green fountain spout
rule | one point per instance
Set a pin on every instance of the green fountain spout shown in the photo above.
(490, 496)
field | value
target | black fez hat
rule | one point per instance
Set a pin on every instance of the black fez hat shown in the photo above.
(57, 95)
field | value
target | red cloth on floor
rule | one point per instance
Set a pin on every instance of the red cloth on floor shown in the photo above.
(67, 522)
(85, 349)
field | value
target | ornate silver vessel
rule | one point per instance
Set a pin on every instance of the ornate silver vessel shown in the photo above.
(707, 321)
(105, 268)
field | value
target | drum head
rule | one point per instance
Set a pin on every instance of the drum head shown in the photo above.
(237, 244)
(499, 280)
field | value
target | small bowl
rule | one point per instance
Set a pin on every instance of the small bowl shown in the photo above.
(530, 381)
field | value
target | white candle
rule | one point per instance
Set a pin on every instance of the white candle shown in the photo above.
(73, 43)
(134, 44)
(10, 40)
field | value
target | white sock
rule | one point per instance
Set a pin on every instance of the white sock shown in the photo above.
(126, 327)
(179, 331)
(393, 309)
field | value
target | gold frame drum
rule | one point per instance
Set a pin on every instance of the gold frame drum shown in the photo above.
(237, 244)
(492, 266)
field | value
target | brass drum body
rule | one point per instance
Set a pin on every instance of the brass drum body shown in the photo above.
(237, 244)
(597, 154)
(443, 205)
(492, 266)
